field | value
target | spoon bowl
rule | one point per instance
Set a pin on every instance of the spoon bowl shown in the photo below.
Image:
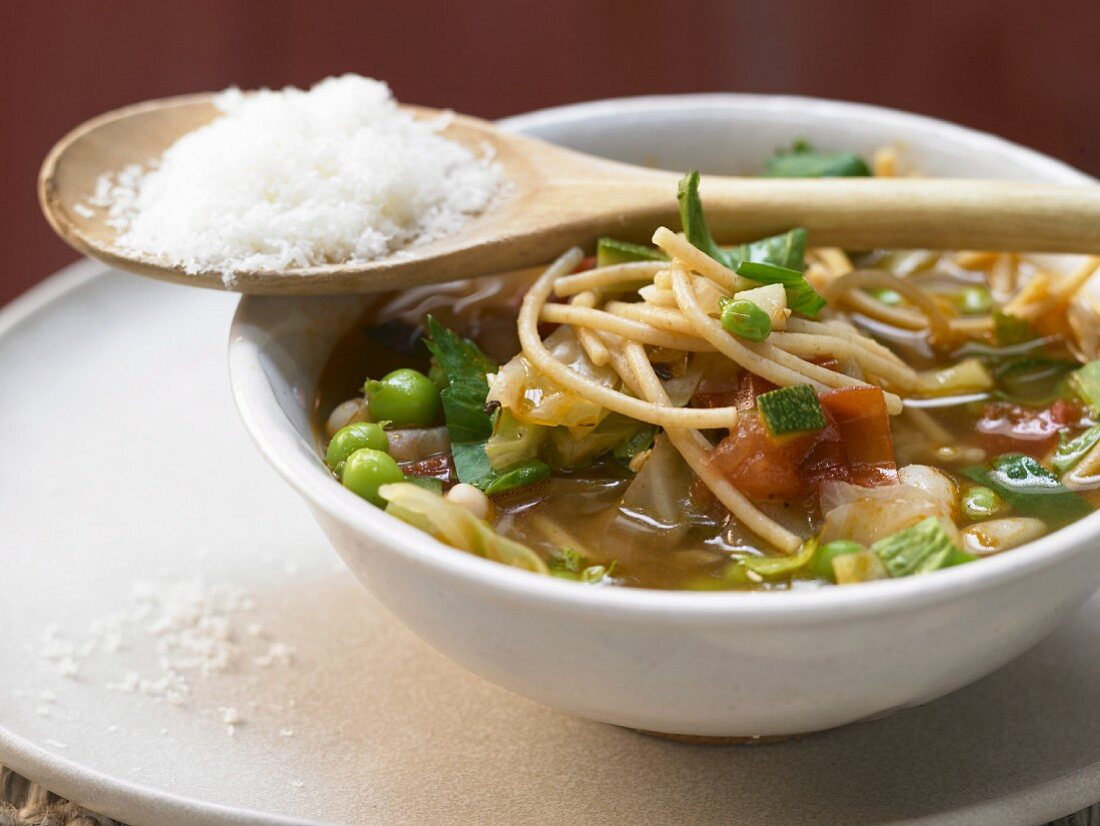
(555, 198)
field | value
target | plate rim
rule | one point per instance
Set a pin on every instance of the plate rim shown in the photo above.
(136, 803)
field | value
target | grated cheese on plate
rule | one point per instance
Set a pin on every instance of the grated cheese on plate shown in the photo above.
(289, 179)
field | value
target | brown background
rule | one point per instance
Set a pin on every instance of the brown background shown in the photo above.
(1025, 69)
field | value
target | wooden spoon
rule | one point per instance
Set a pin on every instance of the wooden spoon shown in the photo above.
(559, 198)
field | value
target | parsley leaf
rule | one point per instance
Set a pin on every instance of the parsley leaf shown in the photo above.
(464, 367)
(803, 161)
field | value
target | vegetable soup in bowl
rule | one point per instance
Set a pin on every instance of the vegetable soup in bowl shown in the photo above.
(585, 481)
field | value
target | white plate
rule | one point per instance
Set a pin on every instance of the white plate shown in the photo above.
(122, 461)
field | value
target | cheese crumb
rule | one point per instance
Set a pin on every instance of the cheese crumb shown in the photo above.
(288, 179)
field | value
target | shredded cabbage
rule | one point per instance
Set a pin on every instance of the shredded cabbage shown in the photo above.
(866, 515)
(967, 376)
(455, 526)
(534, 398)
(513, 441)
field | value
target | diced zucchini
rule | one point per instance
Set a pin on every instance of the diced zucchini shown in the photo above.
(612, 251)
(917, 550)
(772, 299)
(791, 411)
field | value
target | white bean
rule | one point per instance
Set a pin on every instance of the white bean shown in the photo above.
(471, 499)
(938, 485)
(997, 535)
(345, 413)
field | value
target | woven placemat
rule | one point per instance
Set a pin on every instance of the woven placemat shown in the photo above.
(23, 803)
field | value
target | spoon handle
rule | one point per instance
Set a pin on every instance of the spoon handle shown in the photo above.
(908, 213)
(899, 213)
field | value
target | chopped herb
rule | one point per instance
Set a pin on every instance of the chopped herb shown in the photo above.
(779, 567)
(822, 563)
(801, 296)
(611, 251)
(567, 560)
(1030, 489)
(692, 218)
(788, 249)
(803, 161)
(469, 426)
(981, 503)
(640, 442)
(426, 482)
(595, 574)
(525, 473)
(1009, 329)
(566, 563)
(1072, 451)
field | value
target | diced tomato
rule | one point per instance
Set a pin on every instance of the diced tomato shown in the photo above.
(762, 468)
(588, 263)
(755, 464)
(821, 455)
(718, 387)
(1011, 428)
(729, 386)
(864, 424)
(828, 364)
(441, 467)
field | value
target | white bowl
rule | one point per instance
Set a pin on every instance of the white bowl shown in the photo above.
(714, 664)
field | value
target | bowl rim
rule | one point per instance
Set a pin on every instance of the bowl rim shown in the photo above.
(300, 464)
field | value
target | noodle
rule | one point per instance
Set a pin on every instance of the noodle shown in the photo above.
(726, 344)
(666, 319)
(680, 249)
(693, 447)
(763, 359)
(658, 297)
(593, 345)
(937, 323)
(625, 327)
(543, 360)
(816, 346)
(619, 276)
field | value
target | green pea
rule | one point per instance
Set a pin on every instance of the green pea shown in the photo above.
(353, 437)
(975, 301)
(405, 397)
(981, 502)
(745, 320)
(821, 565)
(366, 470)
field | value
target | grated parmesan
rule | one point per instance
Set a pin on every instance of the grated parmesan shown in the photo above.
(288, 179)
(194, 629)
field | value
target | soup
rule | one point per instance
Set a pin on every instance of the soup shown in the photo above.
(687, 415)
